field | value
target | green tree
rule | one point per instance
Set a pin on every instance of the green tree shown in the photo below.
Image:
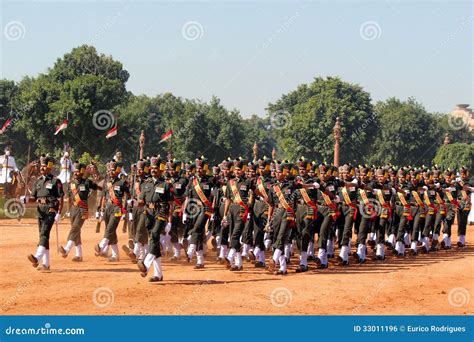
(304, 119)
(455, 155)
(406, 133)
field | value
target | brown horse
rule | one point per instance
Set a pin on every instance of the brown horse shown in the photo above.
(25, 181)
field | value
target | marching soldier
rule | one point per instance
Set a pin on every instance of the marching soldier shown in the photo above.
(114, 200)
(247, 235)
(179, 185)
(464, 199)
(198, 205)
(348, 195)
(419, 214)
(429, 198)
(282, 211)
(327, 212)
(223, 237)
(138, 244)
(403, 211)
(306, 211)
(452, 206)
(78, 192)
(48, 193)
(260, 214)
(237, 212)
(158, 201)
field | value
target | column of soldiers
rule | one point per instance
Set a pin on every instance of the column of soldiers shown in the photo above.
(245, 209)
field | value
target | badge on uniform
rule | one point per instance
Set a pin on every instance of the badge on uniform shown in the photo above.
(117, 188)
(287, 191)
(243, 187)
(331, 188)
(160, 190)
(178, 186)
(48, 185)
(386, 192)
(205, 186)
(82, 188)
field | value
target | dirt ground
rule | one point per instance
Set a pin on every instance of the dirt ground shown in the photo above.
(437, 283)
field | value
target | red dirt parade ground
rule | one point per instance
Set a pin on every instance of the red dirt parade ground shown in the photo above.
(436, 283)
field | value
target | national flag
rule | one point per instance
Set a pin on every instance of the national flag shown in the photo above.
(166, 136)
(112, 132)
(61, 127)
(5, 125)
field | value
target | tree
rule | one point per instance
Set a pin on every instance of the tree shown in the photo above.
(406, 133)
(453, 156)
(304, 119)
(81, 83)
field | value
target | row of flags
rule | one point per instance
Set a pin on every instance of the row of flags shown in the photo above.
(111, 133)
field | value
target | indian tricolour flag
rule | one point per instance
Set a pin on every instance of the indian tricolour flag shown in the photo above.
(166, 136)
(112, 132)
(61, 127)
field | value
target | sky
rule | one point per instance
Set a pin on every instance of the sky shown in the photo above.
(249, 53)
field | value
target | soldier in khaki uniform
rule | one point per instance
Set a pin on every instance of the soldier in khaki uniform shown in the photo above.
(78, 192)
(114, 199)
(48, 193)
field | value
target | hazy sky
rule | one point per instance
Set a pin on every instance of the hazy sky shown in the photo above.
(249, 53)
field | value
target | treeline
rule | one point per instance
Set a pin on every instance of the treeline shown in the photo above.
(89, 89)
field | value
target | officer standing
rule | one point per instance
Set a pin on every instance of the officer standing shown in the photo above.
(179, 185)
(48, 193)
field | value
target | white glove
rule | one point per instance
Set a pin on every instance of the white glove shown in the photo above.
(437, 185)
(394, 191)
(316, 185)
(57, 218)
(248, 216)
(122, 218)
(131, 202)
(97, 215)
(212, 217)
(185, 217)
(130, 217)
(337, 199)
(425, 187)
(168, 227)
(101, 217)
(451, 188)
(24, 199)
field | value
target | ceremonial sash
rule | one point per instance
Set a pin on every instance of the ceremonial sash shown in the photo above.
(451, 198)
(432, 207)
(202, 196)
(238, 199)
(114, 198)
(384, 204)
(262, 190)
(441, 204)
(370, 207)
(406, 211)
(348, 201)
(283, 202)
(309, 202)
(466, 198)
(331, 205)
(77, 200)
(417, 198)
